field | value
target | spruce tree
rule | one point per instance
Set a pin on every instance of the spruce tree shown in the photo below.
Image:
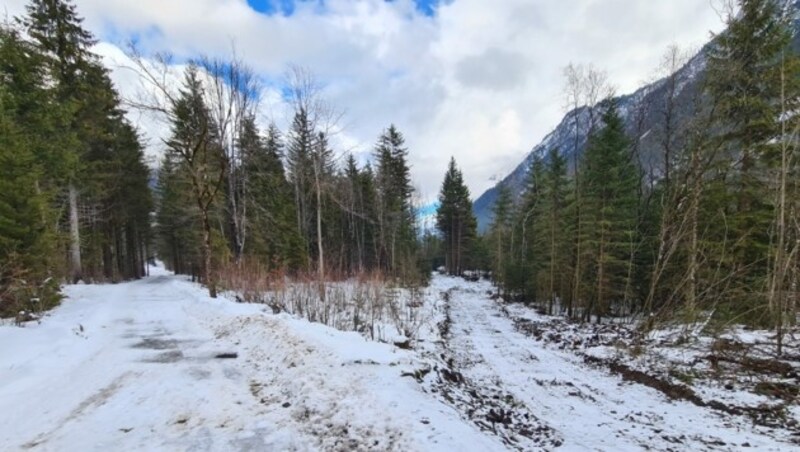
(25, 240)
(324, 215)
(368, 200)
(455, 220)
(610, 196)
(299, 165)
(273, 235)
(177, 218)
(396, 214)
(193, 139)
(101, 157)
(57, 28)
(552, 224)
(500, 232)
(526, 273)
(753, 76)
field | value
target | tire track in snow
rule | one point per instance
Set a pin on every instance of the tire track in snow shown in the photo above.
(488, 404)
(587, 407)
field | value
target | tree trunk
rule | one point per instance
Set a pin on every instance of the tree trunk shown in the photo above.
(320, 248)
(552, 264)
(777, 295)
(601, 267)
(74, 236)
(209, 280)
(694, 212)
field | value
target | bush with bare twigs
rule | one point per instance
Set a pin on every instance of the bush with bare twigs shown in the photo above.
(367, 304)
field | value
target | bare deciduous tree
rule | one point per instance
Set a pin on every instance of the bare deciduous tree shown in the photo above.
(323, 121)
(233, 95)
(162, 97)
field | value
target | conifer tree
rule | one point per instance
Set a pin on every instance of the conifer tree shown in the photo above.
(455, 220)
(531, 243)
(322, 176)
(368, 199)
(610, 196)
(31, 169)
(193, 140)
(299, 164)
(396, 220)
(177, 219)
(751, 72)
(552, 227)
(102, 159)
(500, 231)
(361, 213)
(57, 28)
(272, 220)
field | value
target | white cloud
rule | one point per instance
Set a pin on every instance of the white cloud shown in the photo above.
(480, 81)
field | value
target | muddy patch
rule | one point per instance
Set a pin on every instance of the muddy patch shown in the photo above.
(560, 334)
(773, 416)
(156, 343)
(171, 356)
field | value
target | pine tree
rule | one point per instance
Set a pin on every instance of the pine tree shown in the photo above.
(177, 219)
(610, 196)
(751, 70)
(194, 141)
(299, 165)
(500, 231)
(455, 220)
(57, 28)
(552, 226)
(25, 241)
(396, 214)
(273, 234)
(526, 274)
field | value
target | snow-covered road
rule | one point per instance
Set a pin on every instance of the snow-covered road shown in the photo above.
(587, 407)
(133, 367)
(157, 365)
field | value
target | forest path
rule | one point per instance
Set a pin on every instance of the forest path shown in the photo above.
(586, 407)
(157, 365)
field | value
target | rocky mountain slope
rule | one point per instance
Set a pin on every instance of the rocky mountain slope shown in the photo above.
(644, 113)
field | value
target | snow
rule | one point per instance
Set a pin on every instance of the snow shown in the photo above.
(134, 366)
(588, 407)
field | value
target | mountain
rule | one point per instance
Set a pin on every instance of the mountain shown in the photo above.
(644, 113)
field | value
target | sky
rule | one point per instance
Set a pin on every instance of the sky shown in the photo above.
(479, 80)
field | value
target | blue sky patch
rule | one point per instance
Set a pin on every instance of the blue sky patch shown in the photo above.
(427, 7)
(270, 7)
(429, 209)
(287, 7)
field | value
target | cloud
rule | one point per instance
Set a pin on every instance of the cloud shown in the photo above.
(494, 69)
(479, 80)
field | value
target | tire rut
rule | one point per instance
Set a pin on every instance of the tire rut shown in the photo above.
(492, 409)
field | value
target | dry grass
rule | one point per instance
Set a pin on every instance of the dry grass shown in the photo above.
(367, 303)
